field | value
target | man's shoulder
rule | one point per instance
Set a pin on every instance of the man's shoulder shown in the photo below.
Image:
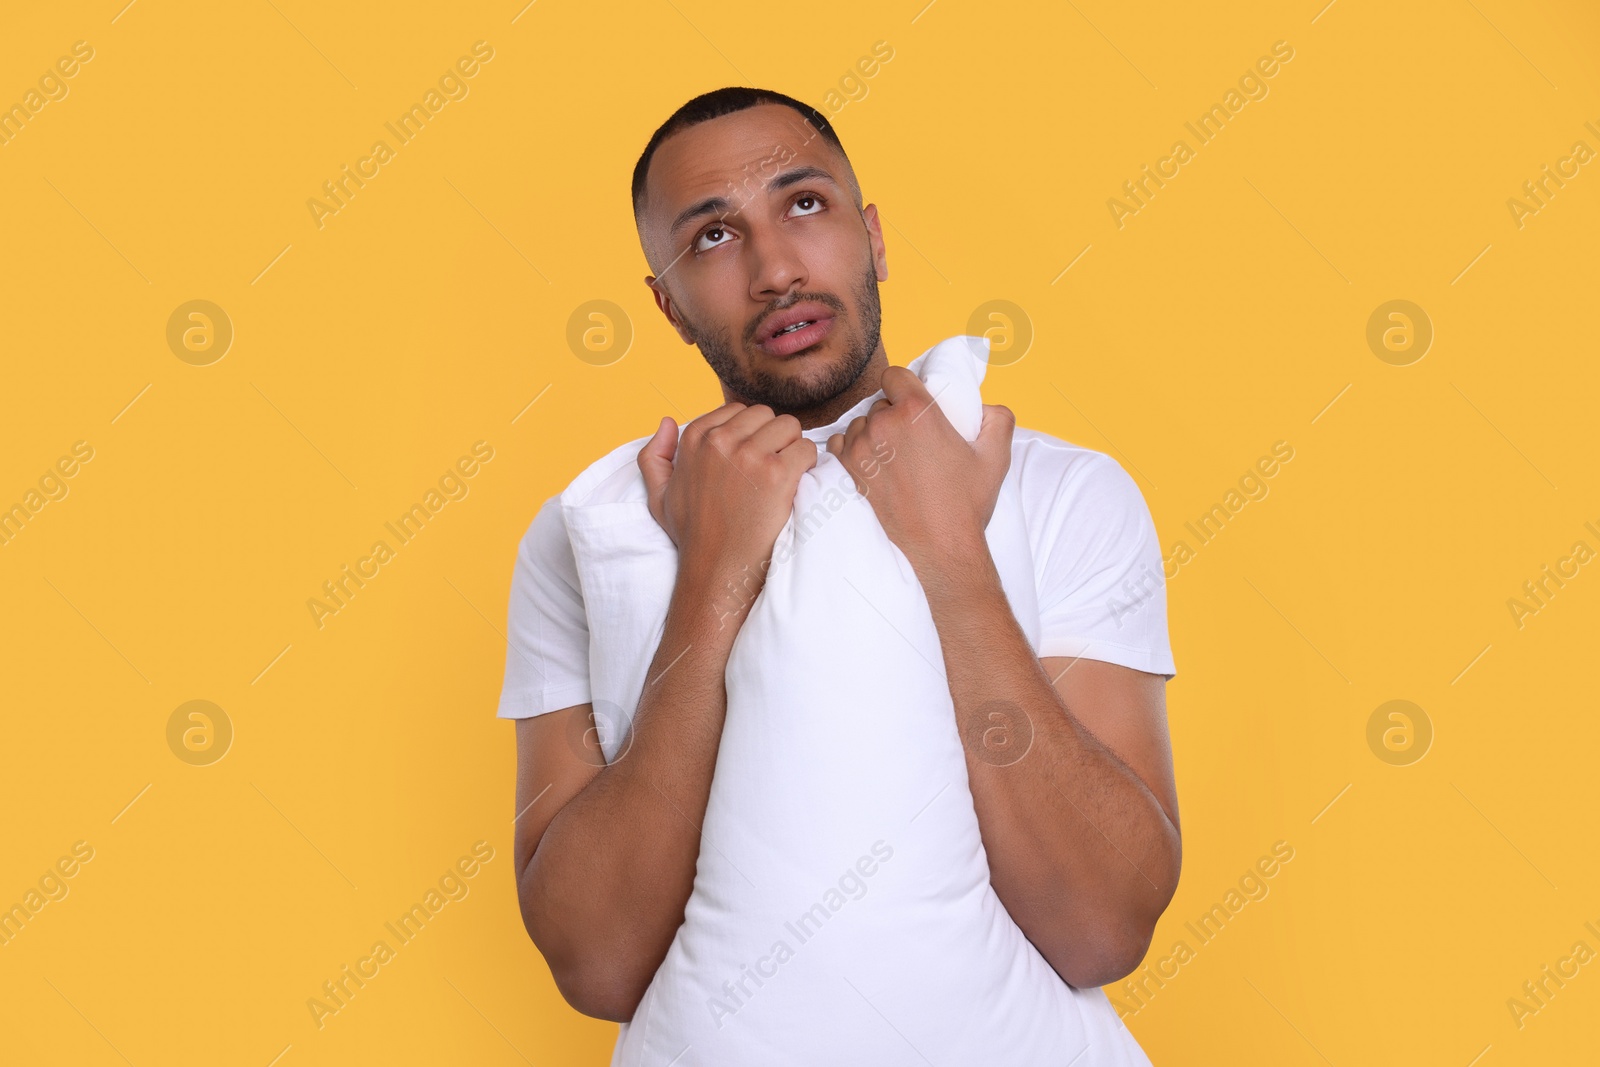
(1039, 457)
(1068, 487)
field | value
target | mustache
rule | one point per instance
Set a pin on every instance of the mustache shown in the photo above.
(827, 300)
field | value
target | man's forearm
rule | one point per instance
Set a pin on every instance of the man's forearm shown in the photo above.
(1080, 851)
(606, 888)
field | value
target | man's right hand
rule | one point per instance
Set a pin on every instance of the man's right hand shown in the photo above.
(732, 487)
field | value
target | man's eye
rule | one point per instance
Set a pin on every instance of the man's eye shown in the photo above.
(700, 246)
(816, 203)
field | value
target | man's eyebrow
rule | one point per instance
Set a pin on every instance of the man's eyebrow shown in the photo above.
(721, 205)
(800, 174)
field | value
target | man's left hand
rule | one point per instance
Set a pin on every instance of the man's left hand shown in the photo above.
(933, 491)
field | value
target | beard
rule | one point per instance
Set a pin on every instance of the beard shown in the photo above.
(799, 392)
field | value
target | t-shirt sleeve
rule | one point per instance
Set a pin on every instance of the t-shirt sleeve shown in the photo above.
(1102, 588)
(547, 630)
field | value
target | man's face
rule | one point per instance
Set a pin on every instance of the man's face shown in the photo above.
(751, 220)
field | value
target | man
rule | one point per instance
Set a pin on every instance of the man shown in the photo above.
(751, 217)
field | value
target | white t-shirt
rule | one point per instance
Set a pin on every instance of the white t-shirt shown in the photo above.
(1097, 564)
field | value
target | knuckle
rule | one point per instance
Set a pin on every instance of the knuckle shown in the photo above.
(776, 472)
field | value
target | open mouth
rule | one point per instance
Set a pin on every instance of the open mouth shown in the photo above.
(798, 336)
(796, 328)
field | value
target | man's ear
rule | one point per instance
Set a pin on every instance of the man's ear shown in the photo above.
(664, 302)
(880, 255)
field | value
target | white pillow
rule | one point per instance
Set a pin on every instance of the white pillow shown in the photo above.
(841, 911)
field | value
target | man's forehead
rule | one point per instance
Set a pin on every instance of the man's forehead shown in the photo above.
(743, 150)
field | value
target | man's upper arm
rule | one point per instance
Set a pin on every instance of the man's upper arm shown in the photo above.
(558, 754)
(1103, 608)
(546, 687)
(1126, 710)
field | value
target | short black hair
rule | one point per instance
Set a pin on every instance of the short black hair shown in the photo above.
(714, 105)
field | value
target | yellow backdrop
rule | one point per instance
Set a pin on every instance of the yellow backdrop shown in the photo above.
(241, 343)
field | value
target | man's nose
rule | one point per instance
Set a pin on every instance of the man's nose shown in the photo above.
(777, 268)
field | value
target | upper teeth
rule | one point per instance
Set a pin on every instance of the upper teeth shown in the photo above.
(796, 326)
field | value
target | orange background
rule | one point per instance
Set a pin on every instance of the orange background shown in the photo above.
(431, 312)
